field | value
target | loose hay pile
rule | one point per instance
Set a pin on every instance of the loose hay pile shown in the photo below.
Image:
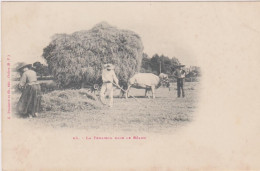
(69, 101)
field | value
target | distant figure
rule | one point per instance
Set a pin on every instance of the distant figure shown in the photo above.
(108, 77)
(180, 74)
(30, 100)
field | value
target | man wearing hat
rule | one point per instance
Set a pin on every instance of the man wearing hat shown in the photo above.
(180, 74)
(29, 102)
(108, 77)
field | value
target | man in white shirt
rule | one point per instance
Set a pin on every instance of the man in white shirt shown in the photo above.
(108, 77)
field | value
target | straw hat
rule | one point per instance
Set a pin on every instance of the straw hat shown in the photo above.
(22, 66)
(109, 66)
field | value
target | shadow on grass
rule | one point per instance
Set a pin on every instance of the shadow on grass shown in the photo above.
(131, 97)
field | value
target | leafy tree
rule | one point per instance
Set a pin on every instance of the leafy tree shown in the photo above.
(159, 64)
(155, 64)
(194, 71)
(146, 64)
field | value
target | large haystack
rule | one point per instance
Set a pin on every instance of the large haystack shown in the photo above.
(79, 57)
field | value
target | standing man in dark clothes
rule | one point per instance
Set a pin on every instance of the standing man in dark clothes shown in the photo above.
(30, 100)
(180, 74)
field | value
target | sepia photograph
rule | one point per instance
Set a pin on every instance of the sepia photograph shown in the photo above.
(102, 77)
(130, 85)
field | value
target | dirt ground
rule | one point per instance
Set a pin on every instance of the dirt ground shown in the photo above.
(166, 113)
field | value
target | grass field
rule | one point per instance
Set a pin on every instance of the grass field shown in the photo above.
(165, 113)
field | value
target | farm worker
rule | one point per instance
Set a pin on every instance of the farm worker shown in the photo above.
(108, 77)
(180, 74)
(30, 100)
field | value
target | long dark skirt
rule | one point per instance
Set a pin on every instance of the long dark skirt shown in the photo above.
(30, 100)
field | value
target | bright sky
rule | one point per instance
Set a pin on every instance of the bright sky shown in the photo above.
(176, 29)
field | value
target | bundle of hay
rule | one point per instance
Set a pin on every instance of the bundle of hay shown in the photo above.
(69, 101)
(79, 57)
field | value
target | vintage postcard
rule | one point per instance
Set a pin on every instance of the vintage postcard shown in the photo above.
(130, 85)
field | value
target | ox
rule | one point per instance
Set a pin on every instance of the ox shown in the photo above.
(165, 80)
(147, 81)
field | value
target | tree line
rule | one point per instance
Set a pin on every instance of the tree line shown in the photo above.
(158, 64)
(163, 64)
